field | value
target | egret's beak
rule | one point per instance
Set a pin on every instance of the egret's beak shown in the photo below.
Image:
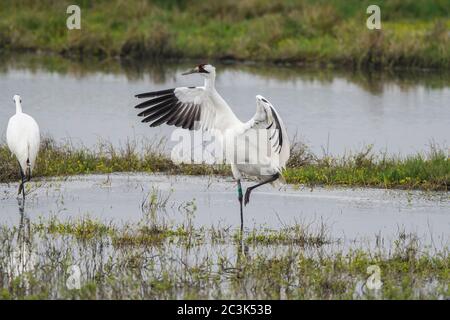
(195, 70)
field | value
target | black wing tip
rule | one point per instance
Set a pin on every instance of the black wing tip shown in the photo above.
(142, 95)
(278, 127)
(154, 93)
(164, 107)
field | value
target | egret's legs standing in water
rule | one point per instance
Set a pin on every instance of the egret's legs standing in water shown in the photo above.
(22, 185)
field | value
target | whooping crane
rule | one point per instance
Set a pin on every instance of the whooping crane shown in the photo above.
(22, 136)
(203, 108)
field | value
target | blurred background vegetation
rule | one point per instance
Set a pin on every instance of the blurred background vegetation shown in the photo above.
(415, 33)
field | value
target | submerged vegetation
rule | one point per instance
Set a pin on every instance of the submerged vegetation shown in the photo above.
(422, 171)
(414, 33)
(150, 259)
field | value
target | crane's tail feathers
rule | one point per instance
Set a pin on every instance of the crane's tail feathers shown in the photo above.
(28, 170)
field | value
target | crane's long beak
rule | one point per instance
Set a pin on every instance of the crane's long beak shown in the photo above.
(195, 70)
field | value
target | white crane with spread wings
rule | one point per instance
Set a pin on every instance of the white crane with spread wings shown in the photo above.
(202, 108)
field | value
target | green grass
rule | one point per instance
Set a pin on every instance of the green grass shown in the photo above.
(65, 159)
(414, 33)
(421, 171)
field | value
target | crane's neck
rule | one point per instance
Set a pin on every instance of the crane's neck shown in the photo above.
(210, 82)
(18, 107)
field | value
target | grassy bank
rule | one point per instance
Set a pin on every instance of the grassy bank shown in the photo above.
(150, 259)
(429, 171)
(422, 171)
(413, 34)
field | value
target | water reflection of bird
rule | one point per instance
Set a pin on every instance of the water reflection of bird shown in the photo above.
(23, 140)
(259, 147)
(22, 259)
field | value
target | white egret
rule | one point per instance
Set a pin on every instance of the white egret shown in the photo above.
(203, 108)
(22, 136)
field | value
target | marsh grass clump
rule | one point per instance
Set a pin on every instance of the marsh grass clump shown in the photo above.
(56, 159)
(298, 234)
(9, 170)
(421, 171)
(67, 159)
(83, 228)
(425, 171)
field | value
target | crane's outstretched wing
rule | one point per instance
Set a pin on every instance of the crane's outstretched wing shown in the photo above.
(266, 117)
(187, 107)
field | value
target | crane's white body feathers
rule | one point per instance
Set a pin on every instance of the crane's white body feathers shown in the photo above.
(215, 114)
(270, 147)
(22, 136)
(219, 118)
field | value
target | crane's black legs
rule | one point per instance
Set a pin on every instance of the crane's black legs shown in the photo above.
(240, 203)
(249, 189)
(24, 178)
(22, 183)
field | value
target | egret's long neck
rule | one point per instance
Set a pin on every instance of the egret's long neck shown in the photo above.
(18, 107)
(210, 81)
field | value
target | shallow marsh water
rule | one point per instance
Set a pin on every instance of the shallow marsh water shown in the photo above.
(332, 111)
(298, 243)
(350, 215)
